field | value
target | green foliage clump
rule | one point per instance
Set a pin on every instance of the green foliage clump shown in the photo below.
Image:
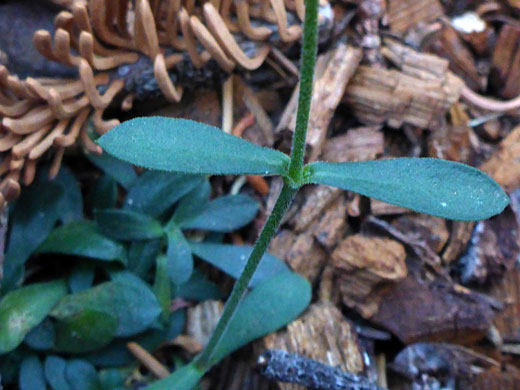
(118, 273)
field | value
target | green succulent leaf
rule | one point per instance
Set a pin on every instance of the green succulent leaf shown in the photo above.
(180, 259)
(81, 375)
(54, 368)
(85, 331)
(182, 145)
(130, 300)
(232, 259)
(272, 304)
(82, 238)
(128, 225)
(224, 214)
(437, 187)
(31, 374)
(21, 310)
(192, 204)
(120, 171)
(104, 193)
(162, 286)
(155, 192)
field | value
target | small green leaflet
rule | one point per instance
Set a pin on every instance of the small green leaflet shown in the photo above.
(272, 304)
(437, 187)
(127, 225)
(182, 145)
(23, 309)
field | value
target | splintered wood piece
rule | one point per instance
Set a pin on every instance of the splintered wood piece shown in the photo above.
(342, 64)
(404, 14)
(377, 96)
(459, 239)
(332, 224)
(378, 207)
(507, 290)
(301, 252)
(365, 267)
(462, 61)
(321, 334)
(430, 230)
(359, 144)
(425, 307)
(504, 165)
(506, 62)
(317, 200)
(453, 141)
(202, 319)
(496, 379)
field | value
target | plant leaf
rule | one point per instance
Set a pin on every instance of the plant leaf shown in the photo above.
(71, 204)
(55, 373)
(192, 203)
(85, 331)
(272, 304)
(198, 288)
(182, 145)
(437, 187)
(224, 214)
(81, 277)
(104, 193)
(81, 375)
(155, 192)
(142, 256)
(23, 309)
(130, 301)
(162, 287)
(41, 337)
(120, 171)
(180, 259)
(81, 238)
(232, 259)
(127, 225)
(34, 216)
(31, 374)
(184, 378)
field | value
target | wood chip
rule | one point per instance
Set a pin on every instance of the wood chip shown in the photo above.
(425, 307)
(404, 14)
(202, 320)
(365, 267)
(504, 164)
(358, 144)
(322, 334)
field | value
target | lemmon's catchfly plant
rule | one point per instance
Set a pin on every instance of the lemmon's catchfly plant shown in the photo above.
(441, 188)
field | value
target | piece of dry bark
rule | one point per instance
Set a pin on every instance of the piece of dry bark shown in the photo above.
(322, 334)
(316, 200)
(334, 68)
(505, 68)
(448, 44)
(459, 239)
(504, 164)
(452, 141)
(203, 106)
(377, 96)
(404, 14)
(378, 207)
(507, 290)
(202, 319)
(332, 224)
(358, 144)
(303, 254)
(430, 230)
(496, 380)
(365, 267)
(493, 250)
(439, 364)
(425, 307)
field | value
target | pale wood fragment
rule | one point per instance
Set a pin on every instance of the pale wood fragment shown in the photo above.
(404, 14)
(322, 334)
(365, 267)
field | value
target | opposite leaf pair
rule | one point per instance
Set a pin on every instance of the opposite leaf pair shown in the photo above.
(437, 187)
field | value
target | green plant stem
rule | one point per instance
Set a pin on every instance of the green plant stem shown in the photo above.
(283, 202)
(308, 61)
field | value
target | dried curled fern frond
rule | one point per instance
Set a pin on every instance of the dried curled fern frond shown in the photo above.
(111, 43)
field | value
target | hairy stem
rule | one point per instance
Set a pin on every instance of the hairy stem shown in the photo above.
(205, 360)
(308, 60)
